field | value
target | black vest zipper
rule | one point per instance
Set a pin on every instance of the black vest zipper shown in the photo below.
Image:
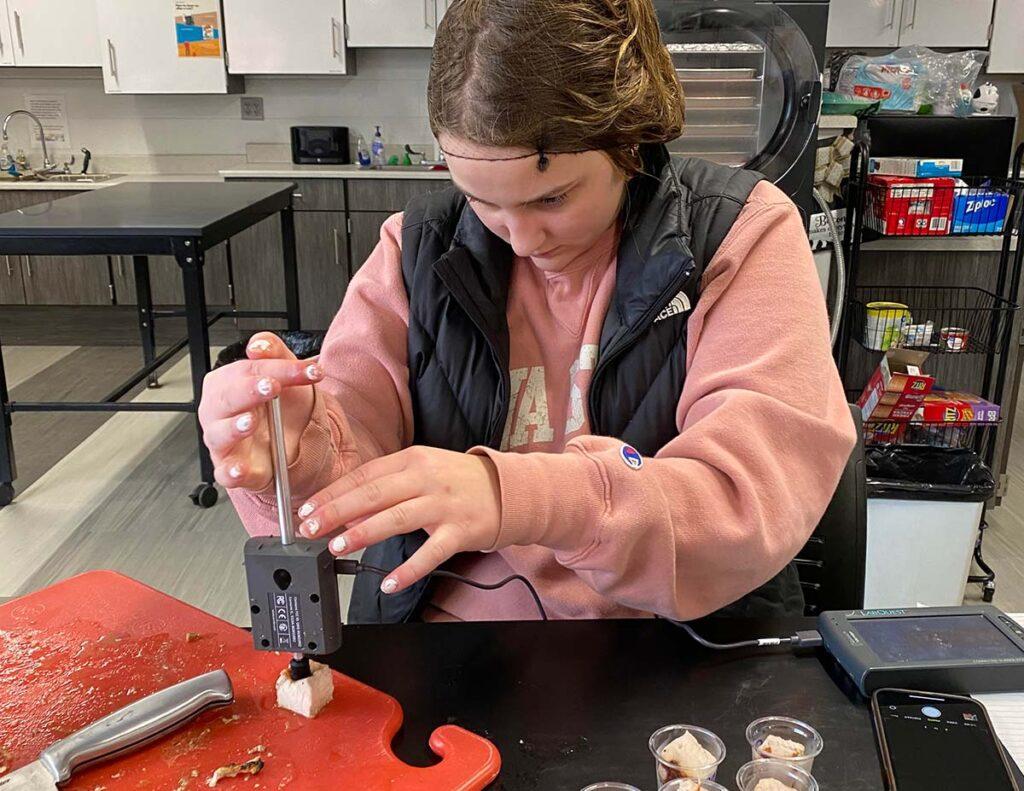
(624, 343)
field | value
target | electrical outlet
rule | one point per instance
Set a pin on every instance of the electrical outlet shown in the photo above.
(252, 108)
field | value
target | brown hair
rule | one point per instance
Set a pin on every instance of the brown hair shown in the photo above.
(555, 75)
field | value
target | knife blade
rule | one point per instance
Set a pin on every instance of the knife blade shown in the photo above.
(138, 723)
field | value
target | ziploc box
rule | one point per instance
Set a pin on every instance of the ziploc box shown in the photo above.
(915, 168)
(897, 388)
(952, 406)
(900, 206)
(978, 209)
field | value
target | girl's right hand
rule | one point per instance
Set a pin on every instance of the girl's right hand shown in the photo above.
(233, 410)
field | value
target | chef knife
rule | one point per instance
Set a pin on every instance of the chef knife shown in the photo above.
(136, 724)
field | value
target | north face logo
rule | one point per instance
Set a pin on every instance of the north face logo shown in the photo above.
(680, 304)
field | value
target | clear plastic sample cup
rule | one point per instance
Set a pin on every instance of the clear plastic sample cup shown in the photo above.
(769, 769)
(669, 771)
(789, 729)
(611, 787)
(686, 784)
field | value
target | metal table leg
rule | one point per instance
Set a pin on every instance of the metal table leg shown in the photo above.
(190, 258)
(291, 275)
(144, 300)
(8, 472)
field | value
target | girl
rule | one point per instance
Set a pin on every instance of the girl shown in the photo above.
(587, 362)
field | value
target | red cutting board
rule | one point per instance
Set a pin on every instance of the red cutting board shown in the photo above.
(82, 648)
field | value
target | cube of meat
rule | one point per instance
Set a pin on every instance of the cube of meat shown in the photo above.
(777, 747)
(307, 696)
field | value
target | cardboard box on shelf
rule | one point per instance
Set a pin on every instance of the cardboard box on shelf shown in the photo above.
(915, 168)
(979, 209)
(952, 406)
(900, 206)
(897, 387)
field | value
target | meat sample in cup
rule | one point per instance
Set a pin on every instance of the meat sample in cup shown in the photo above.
(686, 784)
(784, 739)
(686, 752)
(767, 774)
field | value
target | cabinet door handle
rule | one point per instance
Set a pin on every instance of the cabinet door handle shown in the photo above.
(913, 16)
(334, 37)
(7, 260)
(337, 248)
(297, 195)
(426, 13)
(17, 29)
(120, 266)
(28, 265)
(892, 14)
(112, 57)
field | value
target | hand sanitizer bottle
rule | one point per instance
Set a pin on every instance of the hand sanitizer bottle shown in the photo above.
(362, 153)
(378, 148)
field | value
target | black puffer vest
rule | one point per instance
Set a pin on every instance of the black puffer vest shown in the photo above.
(456, 274)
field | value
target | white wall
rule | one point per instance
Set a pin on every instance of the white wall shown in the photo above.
(199, 133)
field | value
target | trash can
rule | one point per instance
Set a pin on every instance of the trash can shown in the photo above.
(925, 506)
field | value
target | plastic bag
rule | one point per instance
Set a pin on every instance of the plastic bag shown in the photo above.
(950, 79)
(910, 78)
(896, 79)
(915, 472)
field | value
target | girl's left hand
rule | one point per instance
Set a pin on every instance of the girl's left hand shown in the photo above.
(455, 497)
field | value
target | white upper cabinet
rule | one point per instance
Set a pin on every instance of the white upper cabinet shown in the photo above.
(261, 42)
(946, 23)
(853, 23)
(898, 23)
(1006, 54)
(6, 39)
(393, 23)
(141, 53)
(49, 33)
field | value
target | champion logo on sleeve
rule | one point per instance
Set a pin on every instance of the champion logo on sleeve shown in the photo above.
(680, 304)
(631, 456)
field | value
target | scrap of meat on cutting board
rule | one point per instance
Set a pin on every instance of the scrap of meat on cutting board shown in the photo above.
(76, 651)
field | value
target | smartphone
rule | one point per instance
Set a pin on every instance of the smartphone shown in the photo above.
(929, 741)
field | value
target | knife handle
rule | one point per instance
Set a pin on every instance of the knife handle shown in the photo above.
(137, 723)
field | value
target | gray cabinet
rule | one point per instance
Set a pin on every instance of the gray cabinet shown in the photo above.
(165, 279)
(389, 195)
(365, 235)
(258, 268)
(12, 284)
(66, 280)
(321, 243)
(51, 279)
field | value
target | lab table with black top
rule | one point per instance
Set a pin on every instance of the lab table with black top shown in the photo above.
(181, 219)
(570, 703)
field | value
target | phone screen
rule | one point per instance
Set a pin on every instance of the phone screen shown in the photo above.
(937, 742)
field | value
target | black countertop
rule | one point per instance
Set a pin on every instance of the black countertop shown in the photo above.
(570, 703)
(141, 217)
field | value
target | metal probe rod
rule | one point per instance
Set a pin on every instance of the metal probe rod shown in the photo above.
(282, 488)
(279, 459)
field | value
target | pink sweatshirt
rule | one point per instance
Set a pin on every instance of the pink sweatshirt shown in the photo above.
(764, 431)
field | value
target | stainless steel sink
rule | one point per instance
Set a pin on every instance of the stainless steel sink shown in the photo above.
(77, 178)
(409, 168)
(63, 178)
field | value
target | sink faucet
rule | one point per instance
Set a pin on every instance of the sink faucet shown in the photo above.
(47, 164)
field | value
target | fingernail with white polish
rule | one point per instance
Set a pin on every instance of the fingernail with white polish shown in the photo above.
(389, 585)
(244, 422)
(306, 510)
(312, 526)
(313, 373)
(265, 387)
(235, 471)
(339, 544)
(259, 346)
